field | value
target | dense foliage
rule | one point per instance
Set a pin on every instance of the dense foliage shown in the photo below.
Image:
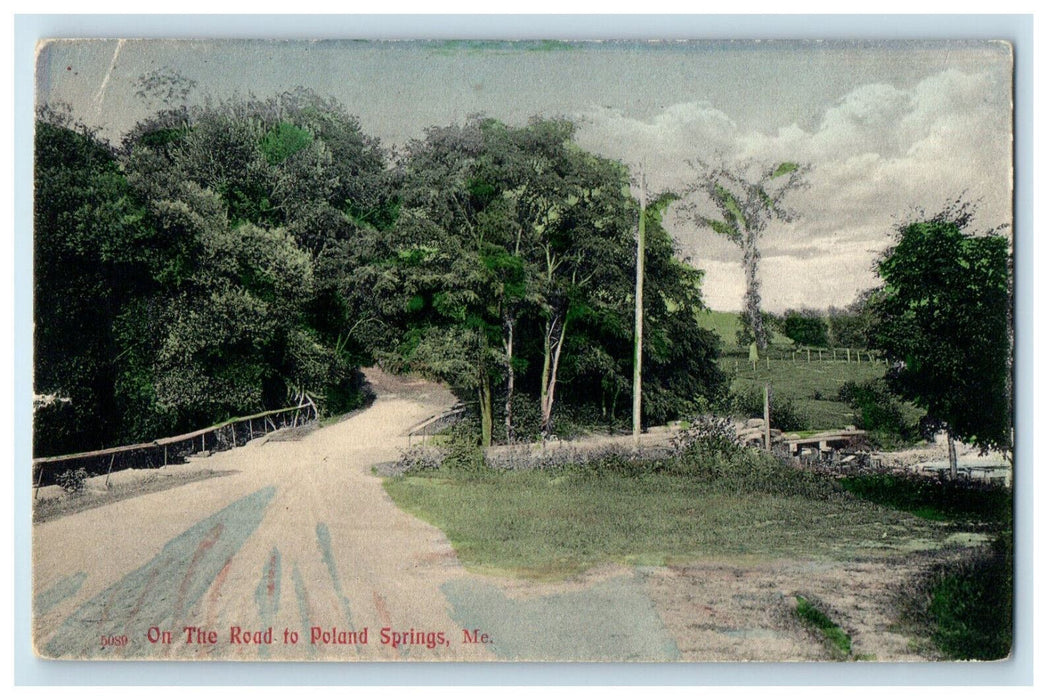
(242, 255)
(512, 263)
(943, 316)
(806, 328)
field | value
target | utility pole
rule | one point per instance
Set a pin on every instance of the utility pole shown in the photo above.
(639, 312)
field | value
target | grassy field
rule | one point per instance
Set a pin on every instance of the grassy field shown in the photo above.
(812, 388)
(545, 525)
(809, 390)
(726, 323)
(713, 503)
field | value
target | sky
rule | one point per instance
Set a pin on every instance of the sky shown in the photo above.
(887, 128)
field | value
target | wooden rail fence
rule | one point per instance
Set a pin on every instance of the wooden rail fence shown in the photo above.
(809, 355)
(175, 450)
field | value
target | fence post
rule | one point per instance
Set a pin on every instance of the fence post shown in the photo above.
(109, 469)
(765, 414)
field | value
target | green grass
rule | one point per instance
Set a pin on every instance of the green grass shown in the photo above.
(970, 615)
(812, 388)
(836, 639)
(965, 608)
(989, 505)
(545, 524)
(727, 323)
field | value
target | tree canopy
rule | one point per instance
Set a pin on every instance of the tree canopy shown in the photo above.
(943, 317)
(228, 258)
(738, 202)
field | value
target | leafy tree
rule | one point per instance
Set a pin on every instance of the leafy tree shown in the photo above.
(579, 219)
(739, 204)
(253, 217)
(516, 247)
(679, 358)
(89, 256)
(943, 316)
(806, 327)
(849, 325)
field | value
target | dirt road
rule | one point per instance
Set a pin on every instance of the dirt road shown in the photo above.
(301, 536)
(298, 553)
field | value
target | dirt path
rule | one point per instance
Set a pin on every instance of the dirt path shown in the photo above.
(299, 537)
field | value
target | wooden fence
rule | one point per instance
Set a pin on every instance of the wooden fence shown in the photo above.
(435, 423)
(808, 355)
(175, 450)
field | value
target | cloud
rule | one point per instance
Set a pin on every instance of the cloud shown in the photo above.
(664, 143)
(878, 153)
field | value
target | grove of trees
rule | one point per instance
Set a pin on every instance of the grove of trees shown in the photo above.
(230, 258)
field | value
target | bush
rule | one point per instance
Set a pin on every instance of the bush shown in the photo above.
(709, 450)
(964, 502)
(782, 412)
(808, 329)
(463, 451)
(419, 459)
(707, 435)
(971, 605)
(72, 481)
(879, 412)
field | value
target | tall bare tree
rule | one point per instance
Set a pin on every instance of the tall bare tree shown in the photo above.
(738, 202)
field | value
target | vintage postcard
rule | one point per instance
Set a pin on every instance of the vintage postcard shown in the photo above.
(523, 350)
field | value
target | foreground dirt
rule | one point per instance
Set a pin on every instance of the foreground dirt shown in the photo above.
(299, 538)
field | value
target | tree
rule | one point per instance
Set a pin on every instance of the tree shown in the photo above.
(806, 327)
(253, 207)
(90, 258)
(738, 203)
(849, 325)
(943, 316)
(579, 219)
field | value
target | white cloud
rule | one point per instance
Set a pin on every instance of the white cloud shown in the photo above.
(878, 153)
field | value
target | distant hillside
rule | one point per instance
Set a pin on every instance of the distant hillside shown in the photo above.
(726, 323)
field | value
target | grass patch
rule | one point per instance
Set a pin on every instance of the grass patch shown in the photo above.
(727, 323)
(964, 609)
(553, 524)
(835, 638)
(987, 504)
(812, 388)
(971, 605)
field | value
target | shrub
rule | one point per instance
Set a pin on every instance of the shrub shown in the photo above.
(708, 450)
(463, 451)
(782, 412)
(879, 412)
(706, 435)
(971, 605)
(806, 328)
(419, 459)
(72, 480)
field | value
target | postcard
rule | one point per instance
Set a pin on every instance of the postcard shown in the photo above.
(465, 351)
